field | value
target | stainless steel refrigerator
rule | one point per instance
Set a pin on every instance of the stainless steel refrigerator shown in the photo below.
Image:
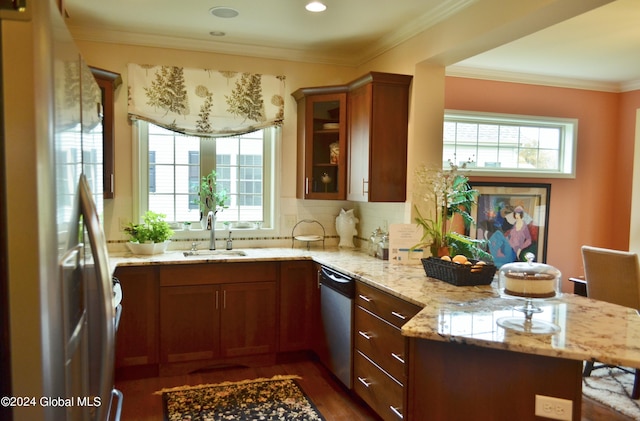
(59, 315)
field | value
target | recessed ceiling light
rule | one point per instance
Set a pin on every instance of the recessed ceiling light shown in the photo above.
(217, 33)
(316, 6)
(224, 12)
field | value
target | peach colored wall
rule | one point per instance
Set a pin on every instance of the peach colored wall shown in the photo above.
(584, 210)
(631, 130)
(629, 105)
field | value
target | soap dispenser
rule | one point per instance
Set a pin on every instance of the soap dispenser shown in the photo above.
(229, 242)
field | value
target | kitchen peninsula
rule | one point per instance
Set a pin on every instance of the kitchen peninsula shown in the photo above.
(461, 364)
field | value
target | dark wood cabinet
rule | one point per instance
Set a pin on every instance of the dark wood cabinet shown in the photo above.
(189, 323)
(298, 308)
(137, 337)
(322, 142)
(456, 381)
(108, 83)
(214, 313)
(368, 121)
(380, 355)
(248, 319)
(378, 118)
(183, 317)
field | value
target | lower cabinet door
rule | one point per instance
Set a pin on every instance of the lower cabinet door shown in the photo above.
(137, 337)
(189, 323)
(381, 392)
(248, 319)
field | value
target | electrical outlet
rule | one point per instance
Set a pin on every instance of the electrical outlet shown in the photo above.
(554, 408)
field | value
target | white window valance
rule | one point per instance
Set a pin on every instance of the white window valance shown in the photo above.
(205, 102)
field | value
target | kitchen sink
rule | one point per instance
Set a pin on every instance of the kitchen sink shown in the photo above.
(214, 253)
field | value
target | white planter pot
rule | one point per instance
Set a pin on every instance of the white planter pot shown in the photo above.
(148, 248)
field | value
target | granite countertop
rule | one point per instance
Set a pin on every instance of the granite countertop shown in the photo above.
(589, 329)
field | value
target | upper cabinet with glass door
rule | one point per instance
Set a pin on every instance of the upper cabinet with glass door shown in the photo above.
(322, 142)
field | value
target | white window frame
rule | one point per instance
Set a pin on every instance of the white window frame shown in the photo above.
(140, 171)
(568, 143)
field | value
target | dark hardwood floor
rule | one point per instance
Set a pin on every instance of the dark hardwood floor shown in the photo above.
(330, 397)
(595, 411)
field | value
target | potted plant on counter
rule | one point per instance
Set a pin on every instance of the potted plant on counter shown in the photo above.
(150, 237)
(209, 198)
(449, 194)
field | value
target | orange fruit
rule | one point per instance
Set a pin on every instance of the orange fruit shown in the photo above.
(458, 258)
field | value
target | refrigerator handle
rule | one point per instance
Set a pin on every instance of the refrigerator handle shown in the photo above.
(115, 393)
(104, 292)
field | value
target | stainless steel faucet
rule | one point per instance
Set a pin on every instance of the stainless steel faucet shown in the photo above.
(211, 225)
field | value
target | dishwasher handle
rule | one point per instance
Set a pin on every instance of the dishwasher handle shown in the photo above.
(337, 282)
(335, 277)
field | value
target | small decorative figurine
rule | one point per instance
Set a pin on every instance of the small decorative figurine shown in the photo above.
(346, 227)
(326, 179)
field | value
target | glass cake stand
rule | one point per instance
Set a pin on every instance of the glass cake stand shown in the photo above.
(528, 324)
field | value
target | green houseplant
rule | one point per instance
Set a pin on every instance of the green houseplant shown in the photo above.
(209, 198)
(151, 236)
(450, 194)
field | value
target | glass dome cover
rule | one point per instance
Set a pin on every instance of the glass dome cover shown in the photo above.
(530, 279)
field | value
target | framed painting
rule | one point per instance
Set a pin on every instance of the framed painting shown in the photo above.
(514, 218)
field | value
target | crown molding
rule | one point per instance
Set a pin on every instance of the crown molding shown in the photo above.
(633, 85)
(544, 80)
(190, 44)
(414, 27)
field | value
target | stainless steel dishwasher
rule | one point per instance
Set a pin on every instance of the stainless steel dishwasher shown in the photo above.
(336, 307)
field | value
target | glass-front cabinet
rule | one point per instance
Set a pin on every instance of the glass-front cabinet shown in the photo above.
(322, 142)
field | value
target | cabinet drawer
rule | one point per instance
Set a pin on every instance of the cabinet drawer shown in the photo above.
(217, 273)
(381, 342)
(383, 394)
(392, 309)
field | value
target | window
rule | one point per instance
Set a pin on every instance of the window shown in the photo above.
(172, 165)
(510, 145)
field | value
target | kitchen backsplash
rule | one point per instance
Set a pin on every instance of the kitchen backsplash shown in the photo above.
(290, 212)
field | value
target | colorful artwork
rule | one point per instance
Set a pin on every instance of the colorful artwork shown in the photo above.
(513, 217)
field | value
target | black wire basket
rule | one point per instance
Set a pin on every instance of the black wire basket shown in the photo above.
(459, 274)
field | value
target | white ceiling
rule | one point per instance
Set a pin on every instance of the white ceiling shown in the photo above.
(600, 48)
